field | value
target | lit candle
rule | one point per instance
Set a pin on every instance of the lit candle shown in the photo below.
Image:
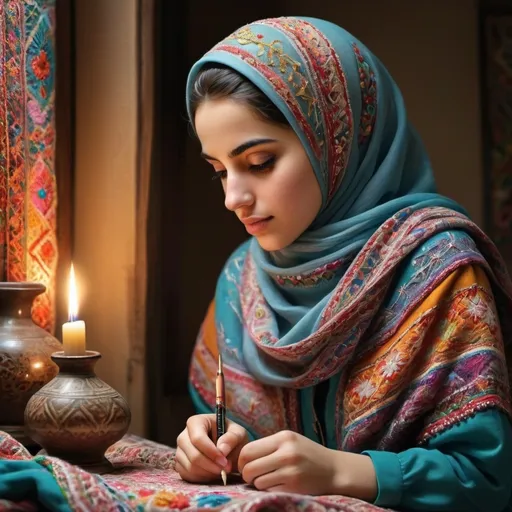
(73, 332)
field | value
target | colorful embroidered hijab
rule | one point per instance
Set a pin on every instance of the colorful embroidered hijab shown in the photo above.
(289, 320)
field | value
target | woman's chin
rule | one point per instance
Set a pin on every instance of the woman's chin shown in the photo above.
(271, 243)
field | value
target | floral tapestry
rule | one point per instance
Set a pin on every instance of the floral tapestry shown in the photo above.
(28, 197)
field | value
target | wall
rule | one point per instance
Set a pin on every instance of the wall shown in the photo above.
(106, 117)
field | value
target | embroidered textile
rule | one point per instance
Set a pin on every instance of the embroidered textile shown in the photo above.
(28, 194)
(145, 480)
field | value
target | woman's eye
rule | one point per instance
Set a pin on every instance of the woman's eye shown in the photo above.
(219, 175)
(267, 164)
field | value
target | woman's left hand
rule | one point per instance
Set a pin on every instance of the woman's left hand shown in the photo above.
(288, 462)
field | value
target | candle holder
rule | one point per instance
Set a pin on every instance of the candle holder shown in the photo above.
(77, 416)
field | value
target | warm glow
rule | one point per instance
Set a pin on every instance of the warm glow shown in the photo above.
(73, 296)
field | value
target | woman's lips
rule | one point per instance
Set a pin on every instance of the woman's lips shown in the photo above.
(256, 225)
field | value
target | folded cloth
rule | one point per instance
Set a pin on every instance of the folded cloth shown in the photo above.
(28, 480)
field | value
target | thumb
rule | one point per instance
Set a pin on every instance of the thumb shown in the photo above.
(227, 443)
(235, 437)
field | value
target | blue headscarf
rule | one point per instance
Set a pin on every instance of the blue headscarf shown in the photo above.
(369, 161)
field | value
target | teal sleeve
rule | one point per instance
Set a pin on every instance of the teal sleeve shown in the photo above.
(27, 480)
(466, 468)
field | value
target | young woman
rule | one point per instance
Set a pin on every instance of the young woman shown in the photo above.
(362, 326)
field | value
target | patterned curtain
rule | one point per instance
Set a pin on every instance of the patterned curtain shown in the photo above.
(28, 196)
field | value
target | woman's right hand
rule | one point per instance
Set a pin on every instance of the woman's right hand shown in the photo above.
(198, 460)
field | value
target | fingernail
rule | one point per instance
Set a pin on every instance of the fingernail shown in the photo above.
(221, 461)
(224, 448)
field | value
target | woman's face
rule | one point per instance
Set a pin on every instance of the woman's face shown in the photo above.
(266, 175)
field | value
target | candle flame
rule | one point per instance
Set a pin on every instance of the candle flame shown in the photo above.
(73, 296)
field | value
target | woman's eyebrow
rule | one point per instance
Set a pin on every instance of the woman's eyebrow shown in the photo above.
(243, 147)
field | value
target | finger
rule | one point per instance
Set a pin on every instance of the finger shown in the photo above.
(192, 467)
(231, 444)
(257, 450)
(280, 488)
(199, 428)
(183, 461)
(189, 477)
(259, 467)
(235, 436)
(232, 439)
(274, 479)
(199, 460)
(189, 472)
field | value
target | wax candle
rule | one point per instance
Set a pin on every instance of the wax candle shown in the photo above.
(73, 331)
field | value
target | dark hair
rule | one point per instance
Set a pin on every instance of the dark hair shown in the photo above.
(223, 82)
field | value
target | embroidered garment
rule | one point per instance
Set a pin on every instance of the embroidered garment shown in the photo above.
(420, 360)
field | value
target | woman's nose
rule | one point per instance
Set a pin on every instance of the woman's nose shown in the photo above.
(238, 193)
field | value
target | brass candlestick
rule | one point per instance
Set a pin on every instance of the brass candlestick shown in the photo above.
(77, 416)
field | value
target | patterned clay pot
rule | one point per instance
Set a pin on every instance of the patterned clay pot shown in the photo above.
(25, 355)
(77, 416)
